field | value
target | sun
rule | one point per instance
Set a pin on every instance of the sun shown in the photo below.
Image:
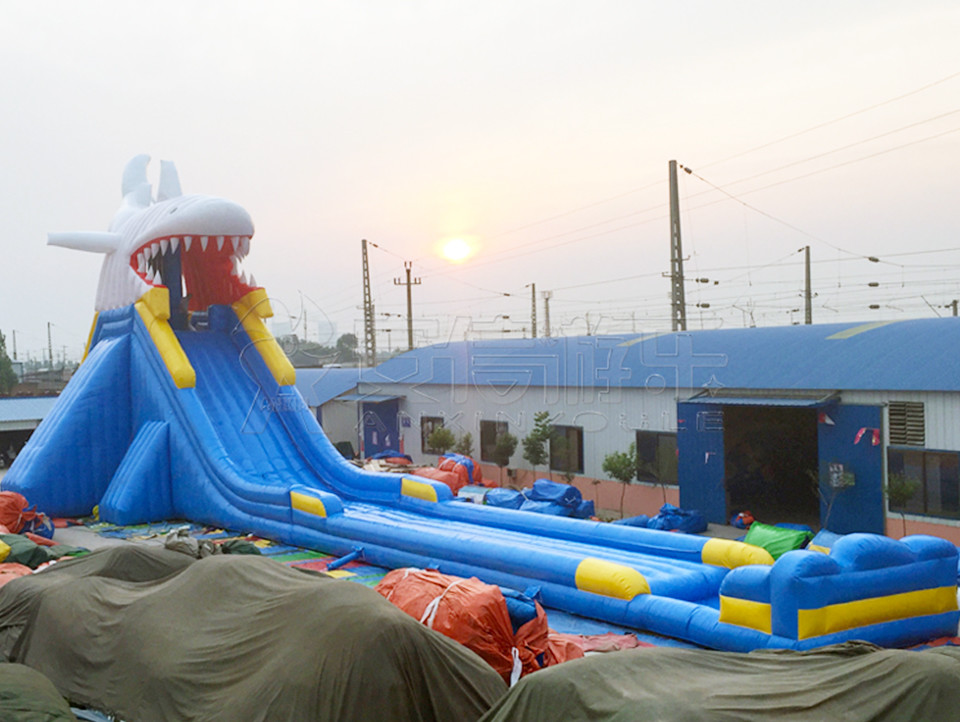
(456, 250)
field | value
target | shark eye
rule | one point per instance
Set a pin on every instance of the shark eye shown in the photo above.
(173, 210)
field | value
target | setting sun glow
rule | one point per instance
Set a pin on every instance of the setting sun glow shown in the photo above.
(456, 250)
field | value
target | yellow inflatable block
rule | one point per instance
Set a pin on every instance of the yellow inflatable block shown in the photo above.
(610, 579)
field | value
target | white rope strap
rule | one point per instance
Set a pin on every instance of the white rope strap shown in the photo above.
(430, 613)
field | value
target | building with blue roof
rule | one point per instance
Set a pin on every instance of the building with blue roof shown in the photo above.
(19, 416)
(798, 424)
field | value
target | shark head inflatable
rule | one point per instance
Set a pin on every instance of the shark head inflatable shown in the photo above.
(154, 242)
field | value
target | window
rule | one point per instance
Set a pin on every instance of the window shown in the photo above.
(489, 431)
(906, 423)
(937, 474)
(657, 457)
(566, 449)
(429, 424)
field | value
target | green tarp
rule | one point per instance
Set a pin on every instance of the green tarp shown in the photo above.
(28, 696)
(242, 637)
(851, 682)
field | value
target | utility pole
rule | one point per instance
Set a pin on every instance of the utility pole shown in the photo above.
(50, 344)
(533, 309)
(409, 283)
(808, 291)
(369, 325)
(952, 304)
(15, 342)
(546, 312)
(678, 302)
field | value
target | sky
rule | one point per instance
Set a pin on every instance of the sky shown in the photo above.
(536, 133)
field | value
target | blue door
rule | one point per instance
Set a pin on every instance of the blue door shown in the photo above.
(701, 460)
(850, 446)
(380, 429)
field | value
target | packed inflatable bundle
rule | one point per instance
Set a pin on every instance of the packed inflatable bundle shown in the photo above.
(673, 518)
(16, 515)
(556, 499)
(463, 466)
(450, 478)
(472, 613)
(778, 540)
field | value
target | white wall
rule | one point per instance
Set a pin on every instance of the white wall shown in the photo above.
(609, 420)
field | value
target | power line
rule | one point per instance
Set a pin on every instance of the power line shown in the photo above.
(855, 113)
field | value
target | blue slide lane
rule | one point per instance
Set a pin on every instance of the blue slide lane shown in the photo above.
(236, 449)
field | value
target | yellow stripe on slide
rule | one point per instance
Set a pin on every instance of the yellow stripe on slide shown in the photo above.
(418, 489)
(251, 310)
(154, 310)
(746, 613)
(308, 504)
(848, 615)
(610, 579)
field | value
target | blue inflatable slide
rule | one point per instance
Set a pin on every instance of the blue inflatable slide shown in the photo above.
(184, 408)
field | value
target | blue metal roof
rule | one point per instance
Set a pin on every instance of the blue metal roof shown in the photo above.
(25, 408)
(911, 355)
(317, 386)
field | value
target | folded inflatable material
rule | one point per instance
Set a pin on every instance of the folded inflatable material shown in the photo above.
(777, 540)
(824, 541)
(853, 681)
(584, 510)
(27, 552)
(450, 478)
(28, 696)
(640, 520)
(239, 637)
(472, 469)
(673, 518)
(564, 494)
(472, 613)
(551, 508)
(504, 498)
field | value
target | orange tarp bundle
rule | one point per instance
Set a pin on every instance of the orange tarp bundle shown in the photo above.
(472, 613)
(450, 478)
(13, 511)
(462, 470)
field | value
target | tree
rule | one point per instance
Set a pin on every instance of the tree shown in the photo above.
(503, 449)
(8, 377)
(464, 445)
(622, 466)
(900, 490)
(535, 449)
(441, 440)
(347, 348)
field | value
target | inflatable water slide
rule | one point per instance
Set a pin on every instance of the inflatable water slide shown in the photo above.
(184, 408)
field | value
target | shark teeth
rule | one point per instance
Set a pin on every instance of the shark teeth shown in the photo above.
(253, 281)
(203, 242)
(220, 243)
(164, 245)
(141, 264)
(174, 244)
(187, 242)
(244, 245)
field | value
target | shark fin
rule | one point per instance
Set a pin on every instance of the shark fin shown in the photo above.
(169, 185)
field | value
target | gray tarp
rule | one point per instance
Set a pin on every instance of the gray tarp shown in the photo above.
(129, 562)
(853, 681)
(28, 696)
(244, 638)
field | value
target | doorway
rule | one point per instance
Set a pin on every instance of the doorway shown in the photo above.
(771, 463)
